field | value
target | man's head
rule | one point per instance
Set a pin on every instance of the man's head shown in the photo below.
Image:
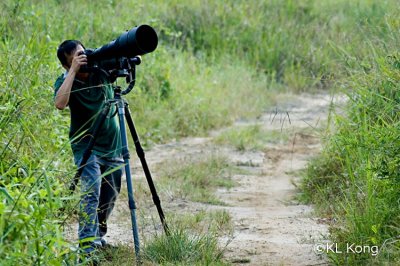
(66, 51)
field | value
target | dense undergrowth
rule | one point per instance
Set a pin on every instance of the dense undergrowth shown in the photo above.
(355, 181)
(216, 61)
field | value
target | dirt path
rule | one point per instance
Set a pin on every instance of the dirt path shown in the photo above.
(270, 226)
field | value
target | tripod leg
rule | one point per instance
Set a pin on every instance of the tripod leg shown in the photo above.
(86, 154)
(126, 156)
(141, 155)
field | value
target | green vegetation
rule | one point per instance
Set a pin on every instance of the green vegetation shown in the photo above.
(197, 179)
(250, 137)
(355, 181)
(193, 240)
(216, 221)
(117, 255)
(217, 61)
(359, 168)
(181, 248)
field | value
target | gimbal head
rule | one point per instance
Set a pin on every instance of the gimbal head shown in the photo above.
(125, 68)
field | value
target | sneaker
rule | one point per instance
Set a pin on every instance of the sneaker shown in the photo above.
(104, 242)
(106, 245)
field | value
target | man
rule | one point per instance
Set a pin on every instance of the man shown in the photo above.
(85, 94)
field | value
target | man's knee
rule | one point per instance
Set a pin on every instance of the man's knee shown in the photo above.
(91, 176)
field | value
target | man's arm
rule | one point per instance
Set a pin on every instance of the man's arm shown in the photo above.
(62, 97)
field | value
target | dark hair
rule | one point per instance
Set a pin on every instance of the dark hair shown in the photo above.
(66, 48)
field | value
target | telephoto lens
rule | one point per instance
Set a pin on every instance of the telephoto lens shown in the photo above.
(137, 41)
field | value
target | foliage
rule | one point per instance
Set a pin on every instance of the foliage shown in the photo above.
(193, 240)
(216, 62)
(181, 248)
(356, 179)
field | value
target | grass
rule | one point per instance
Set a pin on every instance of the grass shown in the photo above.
(355, 180)
(118, 255)
(216, 62)
(196, 103)
(250, 137)
(217, 221)
(198, 179)
(193, 241)
(181, 248)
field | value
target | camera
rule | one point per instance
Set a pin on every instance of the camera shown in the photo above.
(124, 50)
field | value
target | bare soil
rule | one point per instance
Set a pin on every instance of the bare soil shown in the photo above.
(270, 226)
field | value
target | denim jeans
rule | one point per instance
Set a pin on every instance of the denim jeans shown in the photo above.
(100, 186)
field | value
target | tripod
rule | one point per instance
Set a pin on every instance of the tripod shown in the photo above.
(124, 112)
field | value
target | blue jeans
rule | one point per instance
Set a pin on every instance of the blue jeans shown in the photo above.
(100, 186)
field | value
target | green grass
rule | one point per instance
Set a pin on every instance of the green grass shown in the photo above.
(217, 61)
(197, 179)
(250, 137)
(217, 221)
(199, 99)
(117, 255)
(179, 248)
(182, 248)
(355, 181)
(193, 241)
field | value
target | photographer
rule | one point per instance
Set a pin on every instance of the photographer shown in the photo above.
(85, 94)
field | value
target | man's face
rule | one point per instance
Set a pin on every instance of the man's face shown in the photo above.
(70, 56)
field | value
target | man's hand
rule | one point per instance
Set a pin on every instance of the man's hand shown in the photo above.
(78, 60)
(73, 65)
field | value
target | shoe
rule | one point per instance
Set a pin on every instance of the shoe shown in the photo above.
(106, 245)
(104, 242)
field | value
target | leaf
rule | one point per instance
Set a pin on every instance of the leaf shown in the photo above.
(374, 229)
(5, 192)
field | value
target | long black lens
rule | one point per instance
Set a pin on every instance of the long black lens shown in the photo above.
(137, 41)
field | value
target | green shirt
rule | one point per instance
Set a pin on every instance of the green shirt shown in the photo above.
(86, 101)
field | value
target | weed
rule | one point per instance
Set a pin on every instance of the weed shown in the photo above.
(184, 248)
(197, 179)
(250, 137)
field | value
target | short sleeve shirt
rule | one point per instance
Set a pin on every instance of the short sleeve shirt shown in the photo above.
(86, 101)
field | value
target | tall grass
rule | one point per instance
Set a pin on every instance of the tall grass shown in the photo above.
(194, 239)
(356, 179)
(181, 248)
(216, 61)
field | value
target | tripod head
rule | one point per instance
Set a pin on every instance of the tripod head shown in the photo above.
(131, 77)
(124, 67)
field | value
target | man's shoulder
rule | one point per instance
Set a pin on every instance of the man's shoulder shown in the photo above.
(59, 81)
